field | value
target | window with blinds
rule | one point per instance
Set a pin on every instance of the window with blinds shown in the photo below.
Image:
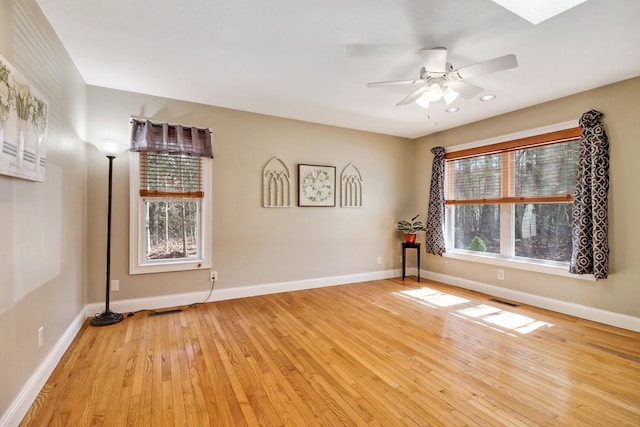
(170, 175)
(539, 169)
(513, 199)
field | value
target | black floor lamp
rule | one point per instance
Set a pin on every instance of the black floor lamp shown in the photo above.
(111, 149)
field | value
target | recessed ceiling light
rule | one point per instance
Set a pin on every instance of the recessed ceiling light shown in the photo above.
(452, 110)
(487, 97)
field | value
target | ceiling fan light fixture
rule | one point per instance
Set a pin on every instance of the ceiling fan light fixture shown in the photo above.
(423, 101)
(434, 93)
(450, 95)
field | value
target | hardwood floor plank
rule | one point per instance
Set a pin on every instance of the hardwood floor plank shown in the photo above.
(379, 353)
(210, 371)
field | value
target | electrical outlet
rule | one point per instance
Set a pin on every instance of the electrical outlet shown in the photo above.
(213, 276)
(379, 260)
(115, 285)
(40, 336)
(500, 274)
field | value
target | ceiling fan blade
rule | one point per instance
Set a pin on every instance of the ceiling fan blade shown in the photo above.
(415, 95)
(466, 90)
(434, 60)
(396, 82)
(491, 66)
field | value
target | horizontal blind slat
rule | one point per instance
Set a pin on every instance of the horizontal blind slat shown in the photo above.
(191, 195)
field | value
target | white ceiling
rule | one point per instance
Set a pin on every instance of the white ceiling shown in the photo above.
(311, 60)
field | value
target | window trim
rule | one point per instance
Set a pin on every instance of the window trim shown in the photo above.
(502, 260)
(137, 225)
(513, 136)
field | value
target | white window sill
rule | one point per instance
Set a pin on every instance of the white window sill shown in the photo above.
(553, 268)
(168, 266)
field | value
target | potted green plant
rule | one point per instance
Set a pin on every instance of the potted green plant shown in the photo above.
(410, 228)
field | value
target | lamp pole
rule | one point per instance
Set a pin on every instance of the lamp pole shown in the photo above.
(108, 317)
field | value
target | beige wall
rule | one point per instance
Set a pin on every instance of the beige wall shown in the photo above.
(42, 237)
(620, 293)
(52, 234)
(253, 245)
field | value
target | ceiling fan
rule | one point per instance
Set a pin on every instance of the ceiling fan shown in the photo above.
(440, 80)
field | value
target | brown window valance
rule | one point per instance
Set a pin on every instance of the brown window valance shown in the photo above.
(170, 138)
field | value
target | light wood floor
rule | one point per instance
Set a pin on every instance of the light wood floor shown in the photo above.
(385, 353)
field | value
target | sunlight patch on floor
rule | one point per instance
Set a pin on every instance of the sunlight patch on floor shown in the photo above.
(495, 318)
(438, 298)
(479, 311)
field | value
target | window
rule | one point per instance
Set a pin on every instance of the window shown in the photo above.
(513, 199)
(170, 202)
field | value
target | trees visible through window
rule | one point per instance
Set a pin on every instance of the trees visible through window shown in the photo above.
(172, 229)
(514, 199)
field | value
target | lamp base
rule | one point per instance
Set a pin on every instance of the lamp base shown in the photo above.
(106, 318)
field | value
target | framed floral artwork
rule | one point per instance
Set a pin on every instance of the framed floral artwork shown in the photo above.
(23, 126)
(316, 185)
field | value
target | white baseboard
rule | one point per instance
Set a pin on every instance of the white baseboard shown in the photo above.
(582, 311)
(23, 401)
(176, 300)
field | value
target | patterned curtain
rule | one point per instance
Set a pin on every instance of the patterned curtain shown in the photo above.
(590, 254)
(435, 215)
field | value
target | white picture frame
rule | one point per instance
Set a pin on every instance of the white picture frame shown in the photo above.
(316, 185)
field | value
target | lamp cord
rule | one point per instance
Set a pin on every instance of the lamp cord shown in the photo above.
(191, 305)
